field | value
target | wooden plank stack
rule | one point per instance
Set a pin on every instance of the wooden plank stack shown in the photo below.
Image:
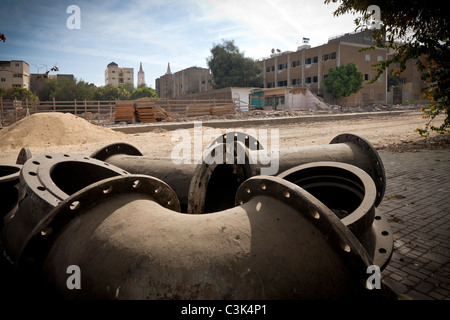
(195, 110)
(144, 110)
(125, 111)
(223, 109)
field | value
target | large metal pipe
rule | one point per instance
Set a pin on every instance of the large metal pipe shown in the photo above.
(203, 187)
(45, 181)
(9, 193)
(277, 242)
(350, 193)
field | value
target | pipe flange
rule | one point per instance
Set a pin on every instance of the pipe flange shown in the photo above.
(44, 234)
(383, 246)
(54, 177)
(115, 148)
(379, 174)
(248, 140)
(325, 179)
(232, 154)
(339, 236)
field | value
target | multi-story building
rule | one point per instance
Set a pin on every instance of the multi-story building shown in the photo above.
(184, 82)
(14, 73)
(308, 66)
(115, 75)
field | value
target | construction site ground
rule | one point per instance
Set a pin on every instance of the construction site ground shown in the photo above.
(416, 201)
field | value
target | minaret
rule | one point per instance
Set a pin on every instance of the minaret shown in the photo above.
(141, 76)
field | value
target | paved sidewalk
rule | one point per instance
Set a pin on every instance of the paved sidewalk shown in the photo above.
(417, 204)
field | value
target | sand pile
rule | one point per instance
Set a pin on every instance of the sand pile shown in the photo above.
(54, 128)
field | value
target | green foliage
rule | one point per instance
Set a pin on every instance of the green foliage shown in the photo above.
(63, 89)
(343, 80)
(393, 79)
(230, 68)
(20, 94)
(142, 92)
(111, 92)
(417, 30)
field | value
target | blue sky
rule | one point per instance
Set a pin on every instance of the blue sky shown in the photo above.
(156, 32)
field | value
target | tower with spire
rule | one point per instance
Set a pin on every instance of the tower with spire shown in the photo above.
(141, 76)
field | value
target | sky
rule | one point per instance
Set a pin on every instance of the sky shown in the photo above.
(156, 32)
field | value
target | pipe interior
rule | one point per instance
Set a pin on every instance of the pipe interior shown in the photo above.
(222, 187)
(72, 176)
(338, 189)
(8, 170)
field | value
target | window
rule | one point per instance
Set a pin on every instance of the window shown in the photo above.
(3, 80)
(17, 65)
(273, 68)
(282, 66)
(269, 101)
(367, 58)
(282, 83)
(296, 63)
(380, 78)
(315, 59)
(333, 55)
(17, 85)
(296, 81)
(279, 101)
(308, 80)
(366, 77)
(315, 79)
(380, 58)
(113, 71)
(17, 75)
(308, 61)
(268, 69)
(324, 76)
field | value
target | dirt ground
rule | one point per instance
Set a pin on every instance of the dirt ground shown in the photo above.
(389, 132)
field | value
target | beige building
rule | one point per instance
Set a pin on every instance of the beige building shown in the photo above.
(308, 66)
(185, 82)
(14, 73)
(115, 75)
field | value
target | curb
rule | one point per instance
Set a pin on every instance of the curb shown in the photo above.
(254, 122)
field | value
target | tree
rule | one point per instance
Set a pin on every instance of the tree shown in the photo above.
(230, 68)
(142, 92)
(111, 92)
(63, 89)
(128, 86)
(342, 81)
(415, 30)
(20, 94)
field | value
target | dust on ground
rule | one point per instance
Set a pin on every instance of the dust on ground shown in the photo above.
(66, 133)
